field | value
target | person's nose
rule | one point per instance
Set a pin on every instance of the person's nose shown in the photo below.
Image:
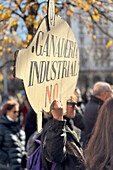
(17, 114)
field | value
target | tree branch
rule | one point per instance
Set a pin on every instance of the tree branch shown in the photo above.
(7, 62)
(102, 13)
(14, 12)
(106, 33)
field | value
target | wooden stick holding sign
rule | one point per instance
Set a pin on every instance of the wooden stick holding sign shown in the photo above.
(49, 66)
(39, 121)
(51, 14)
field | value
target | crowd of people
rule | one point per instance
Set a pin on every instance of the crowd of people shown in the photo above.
(79, 140)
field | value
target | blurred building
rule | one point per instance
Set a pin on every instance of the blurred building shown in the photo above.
(7, 81)
(96, 61)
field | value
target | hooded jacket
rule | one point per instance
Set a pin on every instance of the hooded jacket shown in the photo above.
(12, 145)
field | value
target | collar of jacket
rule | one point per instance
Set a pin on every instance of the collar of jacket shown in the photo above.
(97, 100)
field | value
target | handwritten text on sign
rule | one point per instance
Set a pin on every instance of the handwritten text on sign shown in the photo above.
(49, 66)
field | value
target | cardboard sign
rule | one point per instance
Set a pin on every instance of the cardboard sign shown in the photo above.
(49, 66)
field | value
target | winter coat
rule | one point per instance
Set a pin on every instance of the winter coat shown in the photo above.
(30, 123)
(60, 146)
(90, 117)
(12, 145)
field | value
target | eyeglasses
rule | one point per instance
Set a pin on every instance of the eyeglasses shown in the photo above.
(15, 111)
(72, 104)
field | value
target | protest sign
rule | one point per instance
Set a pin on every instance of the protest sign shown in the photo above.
(49, 66)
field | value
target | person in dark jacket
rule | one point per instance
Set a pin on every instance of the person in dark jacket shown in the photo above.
(12, 138)
(101, 92)
(60, 144)
(99, 151)
(30, 123)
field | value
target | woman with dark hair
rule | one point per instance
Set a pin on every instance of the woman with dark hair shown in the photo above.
(12, 138)
(99, 152)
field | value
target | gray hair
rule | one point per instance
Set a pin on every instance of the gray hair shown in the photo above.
(99, 88)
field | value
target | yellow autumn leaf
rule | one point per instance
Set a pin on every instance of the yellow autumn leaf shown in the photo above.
(24, 45)
(1, 7)
(8, 49)
(2, 16)
(86, 5)
(14, 33)
(40, 16)
(95, 2)
(89, 18)
(33, 21)
(94, 37)
(13, 22)
(36, 6)
(56, 10)
(1, 77)
(18, 38)
(19, 1)
(1, 53)
(72, 8)
(79, 1)
(88, 25)
(83, 21)
(4, 43)
(15, 6)
(96, 18)
(109, 44)
(28, 8)
(33, 16)
(79, 6)
(85, 9)
(23, 10)
(69, 13)
(9, 40)
(20, 43)
(1, 47)
(28, 18)
(27, 41)
(37, 24)
(96, 12)
(89, 1)
(44, 9)
(29, 36)
(8, 11)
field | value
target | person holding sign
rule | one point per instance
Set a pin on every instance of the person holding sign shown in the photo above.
(59, 144)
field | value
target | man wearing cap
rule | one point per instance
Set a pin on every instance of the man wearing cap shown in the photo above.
(59, 144)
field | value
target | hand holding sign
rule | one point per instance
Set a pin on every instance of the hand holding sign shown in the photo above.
(57, 110)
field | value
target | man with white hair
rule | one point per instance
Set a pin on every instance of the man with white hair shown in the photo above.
(101, 92)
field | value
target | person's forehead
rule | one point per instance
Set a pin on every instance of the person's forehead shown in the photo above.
(15, 107)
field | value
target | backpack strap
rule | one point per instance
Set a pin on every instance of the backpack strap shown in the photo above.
(36, 140)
